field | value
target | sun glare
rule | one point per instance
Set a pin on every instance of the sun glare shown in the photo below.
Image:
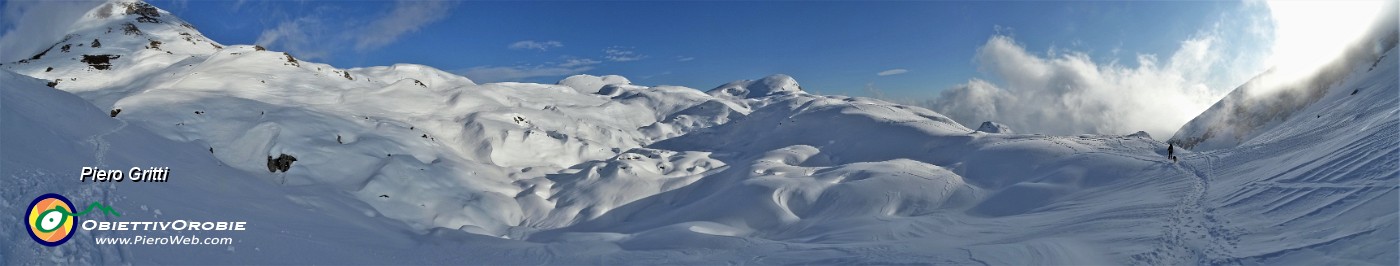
(1309, 34)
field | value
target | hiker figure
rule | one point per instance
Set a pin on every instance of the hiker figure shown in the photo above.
(1171, 152)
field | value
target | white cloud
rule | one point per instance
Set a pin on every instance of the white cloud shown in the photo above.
(621, 54)
(534, 45)
(684, 58)
(569, 66)
(407, 16)
(29, 27)
(663, 73)
(892, 72)
(303, 37)
(576, 62)
(320, 33)
(1066, 92)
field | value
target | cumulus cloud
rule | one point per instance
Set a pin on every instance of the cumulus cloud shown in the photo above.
(621, 54)
(29, 27)
(535, 45)
(892, 72)
(1068, 92)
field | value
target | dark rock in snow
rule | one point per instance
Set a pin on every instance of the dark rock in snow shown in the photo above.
(130, 29)
(994, 127)
(281, 163)
(101, 61)
(1140, 134)
(143, 9)
(291, 60)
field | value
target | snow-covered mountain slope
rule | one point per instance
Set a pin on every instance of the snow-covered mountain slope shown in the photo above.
(50, 134)
(408, 132)
(409, 164)
(1312, 164)
(1327, 173)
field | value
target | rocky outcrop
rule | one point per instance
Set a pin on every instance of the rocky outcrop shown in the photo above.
(281, 163)
(994, 127)
(101, 61)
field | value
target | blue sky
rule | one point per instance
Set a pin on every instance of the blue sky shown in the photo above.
(1056, 67)
(832, 47)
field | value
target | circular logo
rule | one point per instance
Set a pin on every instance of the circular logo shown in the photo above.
(50, 219)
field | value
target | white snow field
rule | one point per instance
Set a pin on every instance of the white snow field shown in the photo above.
(408, 164)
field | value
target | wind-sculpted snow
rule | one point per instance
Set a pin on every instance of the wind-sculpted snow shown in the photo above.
(408, 164)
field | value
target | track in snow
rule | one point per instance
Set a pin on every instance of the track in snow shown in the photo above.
(1194, 234)
(99, 141)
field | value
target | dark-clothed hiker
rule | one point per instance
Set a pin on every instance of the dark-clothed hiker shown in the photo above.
(1171, 152)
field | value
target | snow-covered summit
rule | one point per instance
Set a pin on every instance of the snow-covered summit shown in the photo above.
(767, 86)
(592, 84)
(125, 27)
(126, 47)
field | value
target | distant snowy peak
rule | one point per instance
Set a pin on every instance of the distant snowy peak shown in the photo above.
(140, 20)
(126, 47)
(592, 84)
(141, 11)
(994, 127)
(117, 29)
(767, 86)
(414, 74)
